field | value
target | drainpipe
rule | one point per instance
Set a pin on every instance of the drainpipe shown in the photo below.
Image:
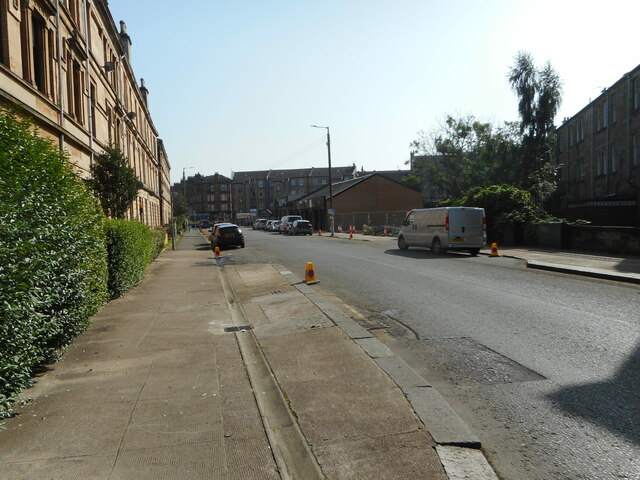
(88, 79)
(60, 90)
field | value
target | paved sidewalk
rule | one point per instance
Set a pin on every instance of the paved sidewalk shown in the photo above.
(159, 388)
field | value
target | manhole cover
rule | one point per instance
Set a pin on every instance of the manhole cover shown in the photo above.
(240, 328)
(463, 361)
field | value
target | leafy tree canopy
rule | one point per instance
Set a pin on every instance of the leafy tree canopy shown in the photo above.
(114, 182)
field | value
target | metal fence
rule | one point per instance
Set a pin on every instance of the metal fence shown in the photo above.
(371, 222)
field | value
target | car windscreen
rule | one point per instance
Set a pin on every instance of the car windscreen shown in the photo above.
(225, 230)
(303, 223)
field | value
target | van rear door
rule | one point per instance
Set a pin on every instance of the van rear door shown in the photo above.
(466, 226)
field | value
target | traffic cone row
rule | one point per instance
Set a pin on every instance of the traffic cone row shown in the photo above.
(494, 250)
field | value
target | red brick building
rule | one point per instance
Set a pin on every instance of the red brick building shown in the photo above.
(366, 200)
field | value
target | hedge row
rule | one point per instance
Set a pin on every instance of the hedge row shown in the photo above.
(131, 247)
(53, 259)
(60, 258)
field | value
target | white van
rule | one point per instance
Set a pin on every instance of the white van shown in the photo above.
(445, 228)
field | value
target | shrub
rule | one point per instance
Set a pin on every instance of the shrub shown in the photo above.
(53, 268)
(159, 238)
(130, 246)
(506, 207)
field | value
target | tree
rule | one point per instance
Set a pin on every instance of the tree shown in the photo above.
(539, 92)
(114, 182)
(466, 153)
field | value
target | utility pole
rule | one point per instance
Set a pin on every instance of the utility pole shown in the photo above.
(330, 212)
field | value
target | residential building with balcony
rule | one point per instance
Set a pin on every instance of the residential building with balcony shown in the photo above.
(68, 68)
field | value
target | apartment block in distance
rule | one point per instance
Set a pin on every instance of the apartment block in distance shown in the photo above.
(207, 198)
(272, 193)
(598, 155)
(68, 67)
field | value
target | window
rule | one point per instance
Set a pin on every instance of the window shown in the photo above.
(261, 183)
(580, 133)
(223, 197)
(636, 93)
(605, 114)
(260, 194)
(570, 136)
(613, 164)
(212, 188)
(598, 118)
(278, 187)
(636, 152)
(293, 192)
(301, 182)
(293, 182)
(223, 187)
(324, 180)
(3, 33)
(38, 53)
(315, 180)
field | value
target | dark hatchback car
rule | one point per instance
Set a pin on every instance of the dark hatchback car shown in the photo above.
(227, 235)
(301, 227)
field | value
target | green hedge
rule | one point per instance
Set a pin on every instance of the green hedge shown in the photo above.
(131, 246)
(53, 261)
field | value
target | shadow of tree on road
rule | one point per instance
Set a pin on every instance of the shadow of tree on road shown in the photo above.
(612, 404)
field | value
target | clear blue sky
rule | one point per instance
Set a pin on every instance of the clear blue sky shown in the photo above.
(235, 85)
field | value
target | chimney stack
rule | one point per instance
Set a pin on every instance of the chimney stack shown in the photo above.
(144, 92)
(125, 41)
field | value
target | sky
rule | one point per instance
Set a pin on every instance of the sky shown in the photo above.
(235, 85)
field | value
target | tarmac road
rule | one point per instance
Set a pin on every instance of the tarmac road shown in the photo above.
(543, 367)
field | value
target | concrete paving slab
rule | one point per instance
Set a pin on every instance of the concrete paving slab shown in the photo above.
(95, 467)
(401, 373)
(445, 426)
(353, 330)
(374, 347)
(465, 463)
(287, 326)
(333, 389)
(399, 456)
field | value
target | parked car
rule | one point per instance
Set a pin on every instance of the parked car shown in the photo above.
(269, 225)
(301, 227)
(276, 225)
(445, 228)
(287, 221)
(213, 228)
(227, 235)
(259, 224)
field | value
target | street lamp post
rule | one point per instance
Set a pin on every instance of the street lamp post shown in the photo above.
(184, 187)
(330, 212)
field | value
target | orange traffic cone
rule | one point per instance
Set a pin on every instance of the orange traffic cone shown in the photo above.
(217, 250)
(350, 234)
(494, 250)
(310, 274)
(385, 234)
(319, 232)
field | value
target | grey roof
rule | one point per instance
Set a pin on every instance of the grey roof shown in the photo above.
(338, 187)
(395, 175)
(283, 174)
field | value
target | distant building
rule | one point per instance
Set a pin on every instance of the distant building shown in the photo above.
(272, 193)
(69, 69)
(364, 195)
(425, 165)
(208, 197)
(598, 155)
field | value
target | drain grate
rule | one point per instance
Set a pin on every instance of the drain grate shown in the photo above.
(275, 292)
(239, 328)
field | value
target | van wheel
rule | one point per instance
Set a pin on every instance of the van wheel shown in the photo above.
(474, 252)
(436, 247)
(402, 245)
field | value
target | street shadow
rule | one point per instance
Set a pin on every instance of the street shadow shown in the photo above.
(629, 265)
(425, 254)
(613, 404)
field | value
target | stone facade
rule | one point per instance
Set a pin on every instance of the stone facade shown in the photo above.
(598, 156)
(208, 197)
(69, 68)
